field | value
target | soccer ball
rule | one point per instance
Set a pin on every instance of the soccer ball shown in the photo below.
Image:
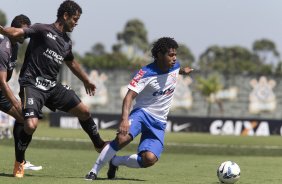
(228, 172)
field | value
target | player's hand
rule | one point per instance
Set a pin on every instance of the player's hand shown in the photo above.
(185, 70)
(124, 127)
(90, 88)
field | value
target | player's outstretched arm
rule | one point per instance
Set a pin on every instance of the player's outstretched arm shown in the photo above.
(12, 32)
(185, 71)
(74, 66)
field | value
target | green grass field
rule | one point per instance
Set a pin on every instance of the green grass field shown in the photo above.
(67, 155)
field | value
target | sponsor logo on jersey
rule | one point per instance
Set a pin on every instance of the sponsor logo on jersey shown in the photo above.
(50, 35)
(44, 84)
(164, 92)
(137, 78)
(53, 56)
(27, 114)
(30, 101)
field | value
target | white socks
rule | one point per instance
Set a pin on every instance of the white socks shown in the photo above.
(108, 153)
(105, 156)
(129, 161)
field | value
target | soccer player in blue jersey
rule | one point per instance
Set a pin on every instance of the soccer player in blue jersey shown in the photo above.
(152, 88)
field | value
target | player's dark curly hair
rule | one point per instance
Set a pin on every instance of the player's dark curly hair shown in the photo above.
(20, 20)
(70, 7)
(162, 45)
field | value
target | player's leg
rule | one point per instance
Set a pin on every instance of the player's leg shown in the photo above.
(111, 149)
(88, 125)
(65, 99)
(21, 144)
(142, 160)
(7, 107)
(17, 130)
(32, 104)
(107, 154)
(149, 149)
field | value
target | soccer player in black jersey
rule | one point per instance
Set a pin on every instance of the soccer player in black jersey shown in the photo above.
(48, 48)
(8, 102)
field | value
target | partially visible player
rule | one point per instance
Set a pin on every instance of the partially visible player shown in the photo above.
(49, 47)
(152, 88)
(8, 102)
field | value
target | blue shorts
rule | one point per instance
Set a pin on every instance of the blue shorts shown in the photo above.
(153, 131)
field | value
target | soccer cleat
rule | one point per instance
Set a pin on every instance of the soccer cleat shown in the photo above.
(112, 170)
(30, 166)
(91, 176)
(18, 169)
(100, 149)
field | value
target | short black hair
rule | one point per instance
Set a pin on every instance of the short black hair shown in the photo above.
(20, 20)
(70, 7)
(162, 45)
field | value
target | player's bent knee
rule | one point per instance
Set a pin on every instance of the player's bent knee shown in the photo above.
(81, 111)
(30, 125)
(30, 128)
(148, 159)
(84, 114)
(123, 140)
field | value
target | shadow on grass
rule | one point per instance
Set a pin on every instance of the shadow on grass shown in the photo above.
(6, 175)
(101, 179)
(11, 175)
(38, 176)
(121, 179)
(42, 176)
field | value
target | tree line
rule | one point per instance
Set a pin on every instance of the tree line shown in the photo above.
(132, 50)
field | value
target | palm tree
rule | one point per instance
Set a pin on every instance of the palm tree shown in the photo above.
(209, 87)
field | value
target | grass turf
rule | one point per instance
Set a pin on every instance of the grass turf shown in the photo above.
(67, 155)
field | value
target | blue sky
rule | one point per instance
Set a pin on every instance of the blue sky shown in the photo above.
(196, 23)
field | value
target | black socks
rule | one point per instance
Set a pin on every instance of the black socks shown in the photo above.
(90, 128)
(21, 140)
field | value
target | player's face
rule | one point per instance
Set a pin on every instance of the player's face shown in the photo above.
(169, 59)
(71, 22)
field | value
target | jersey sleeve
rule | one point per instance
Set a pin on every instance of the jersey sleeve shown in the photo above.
(69, 56)
(32, 30)
(139, 82)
